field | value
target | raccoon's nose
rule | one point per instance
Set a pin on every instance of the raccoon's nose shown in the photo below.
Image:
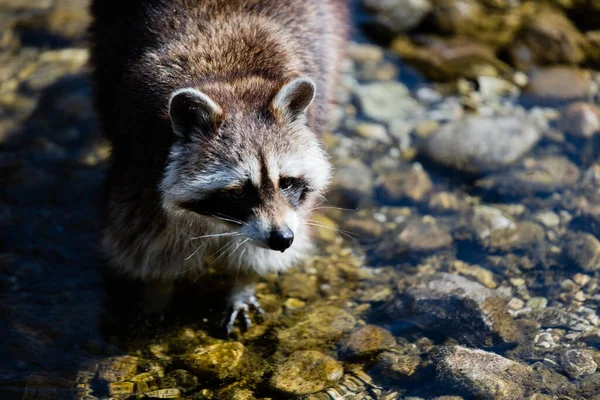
(280, 239)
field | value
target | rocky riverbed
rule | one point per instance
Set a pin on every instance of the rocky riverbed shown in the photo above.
(459, 258)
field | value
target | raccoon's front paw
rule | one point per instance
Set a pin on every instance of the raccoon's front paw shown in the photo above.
(240, 302)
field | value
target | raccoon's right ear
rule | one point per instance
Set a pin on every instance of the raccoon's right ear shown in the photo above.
(191, 110)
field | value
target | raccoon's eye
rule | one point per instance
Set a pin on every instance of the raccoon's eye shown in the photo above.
(237, 193)
(286, 183)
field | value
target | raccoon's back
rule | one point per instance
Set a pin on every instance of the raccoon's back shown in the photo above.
(143, 50)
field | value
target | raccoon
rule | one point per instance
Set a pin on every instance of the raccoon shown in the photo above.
(214, 110)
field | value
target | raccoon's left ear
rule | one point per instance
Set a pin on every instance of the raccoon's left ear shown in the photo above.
(294, 98)
(191, 111)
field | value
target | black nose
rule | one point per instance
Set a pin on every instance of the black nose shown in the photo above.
(280, 239)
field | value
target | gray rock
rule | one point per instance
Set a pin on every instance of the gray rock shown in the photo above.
(352, 184)
(462, 309)
(417, 237)
(398, 15)
(492, 227)
(306, 372)
(536, 176)
(559, 85)
(385, 101)
(485, 375)
(367, 341)
(578, 363)
(580, 119)
(552, 317)
(583, 250)
(481, 144)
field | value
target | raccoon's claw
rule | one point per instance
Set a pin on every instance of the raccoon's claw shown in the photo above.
(240, 306)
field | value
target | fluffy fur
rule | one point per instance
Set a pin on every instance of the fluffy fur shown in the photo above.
(199, 98)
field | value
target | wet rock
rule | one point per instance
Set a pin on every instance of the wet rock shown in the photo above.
(372, 131)
(302, 286)
(485, 375)
(367, 229)
(116, 369)
(580, 119)
(397, 365)
(367, 341)
(458, 308)
(578, 363)
(482, 275)
(583, 250)
(493, 228)
(551, 317)
(548, 38)
(181, 379)
(306, 372)
(172, 393)
(352, 184)
(319, 328)
(385, 101)
(397, 16)
(412, 183)
(559, 85)
(67, 18)
(364, 52)
(221, 361)
(120, 390)
(481, 144)
(534, 177)
(448, 59)
(416, 236)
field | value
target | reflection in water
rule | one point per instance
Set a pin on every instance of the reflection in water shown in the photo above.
(461, 259)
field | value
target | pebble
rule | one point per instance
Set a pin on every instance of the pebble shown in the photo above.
(325, 324)
(578, 363)
(221, 360)
(373, 131)
(385, 101)
(397, 365)
(397, 16)
(484, 375)
(580, 119)
(552, 317)
(492, 227)
(116, 369)
(412, 183)
(583, 250)
(482, 275)
(537, 302)
(352, 184)
(481, 144)
(306, 372)
(559, 85)
(548, 218)
(417, 236)
(367, 341)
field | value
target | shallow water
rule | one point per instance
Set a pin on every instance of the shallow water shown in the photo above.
(433, 273)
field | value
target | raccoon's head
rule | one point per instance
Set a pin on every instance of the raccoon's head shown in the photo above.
(256, 170)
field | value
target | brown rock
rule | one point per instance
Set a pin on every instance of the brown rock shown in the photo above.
(408, 184)
(554, 85)
(306, 372)
(580, 119)
(367, 341)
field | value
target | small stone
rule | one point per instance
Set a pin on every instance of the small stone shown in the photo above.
(369, 130)
(367, 229)
(544, 340)
(120, 389)
(417, 236)
(537, 302)
(551, 317)
(165, 394)
(294, 304)
(548, 218)
(318, 328)
(559, 85)
(367, 341)
(117, 369)
(364, 52)
(580, 119)
(515, 304)
(385, 101)
(306, 372)
(352, 184)
(444, 201)
(492, 227)
(302, 286)
(481, 144)
(485, 375)
(397, 365)
(221, 361)
(411, 183)
(482, 275)
(578, 363)
(397, 16)
(581, 279)
(583, 250)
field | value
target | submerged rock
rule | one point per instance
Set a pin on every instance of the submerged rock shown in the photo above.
(458, 308)
(319, 328)
(481, 144)
(559, 85)
(352, 184)
(116, 369)
(583, 250)
(412, 183)
(397, 16)
(485, 375)
(306, 372)
(367, 341)
(221, 361)
(580, 119)
(385, 101)
(578, 363)
(416, 236)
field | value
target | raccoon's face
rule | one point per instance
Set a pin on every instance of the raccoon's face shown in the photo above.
(258, 173)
